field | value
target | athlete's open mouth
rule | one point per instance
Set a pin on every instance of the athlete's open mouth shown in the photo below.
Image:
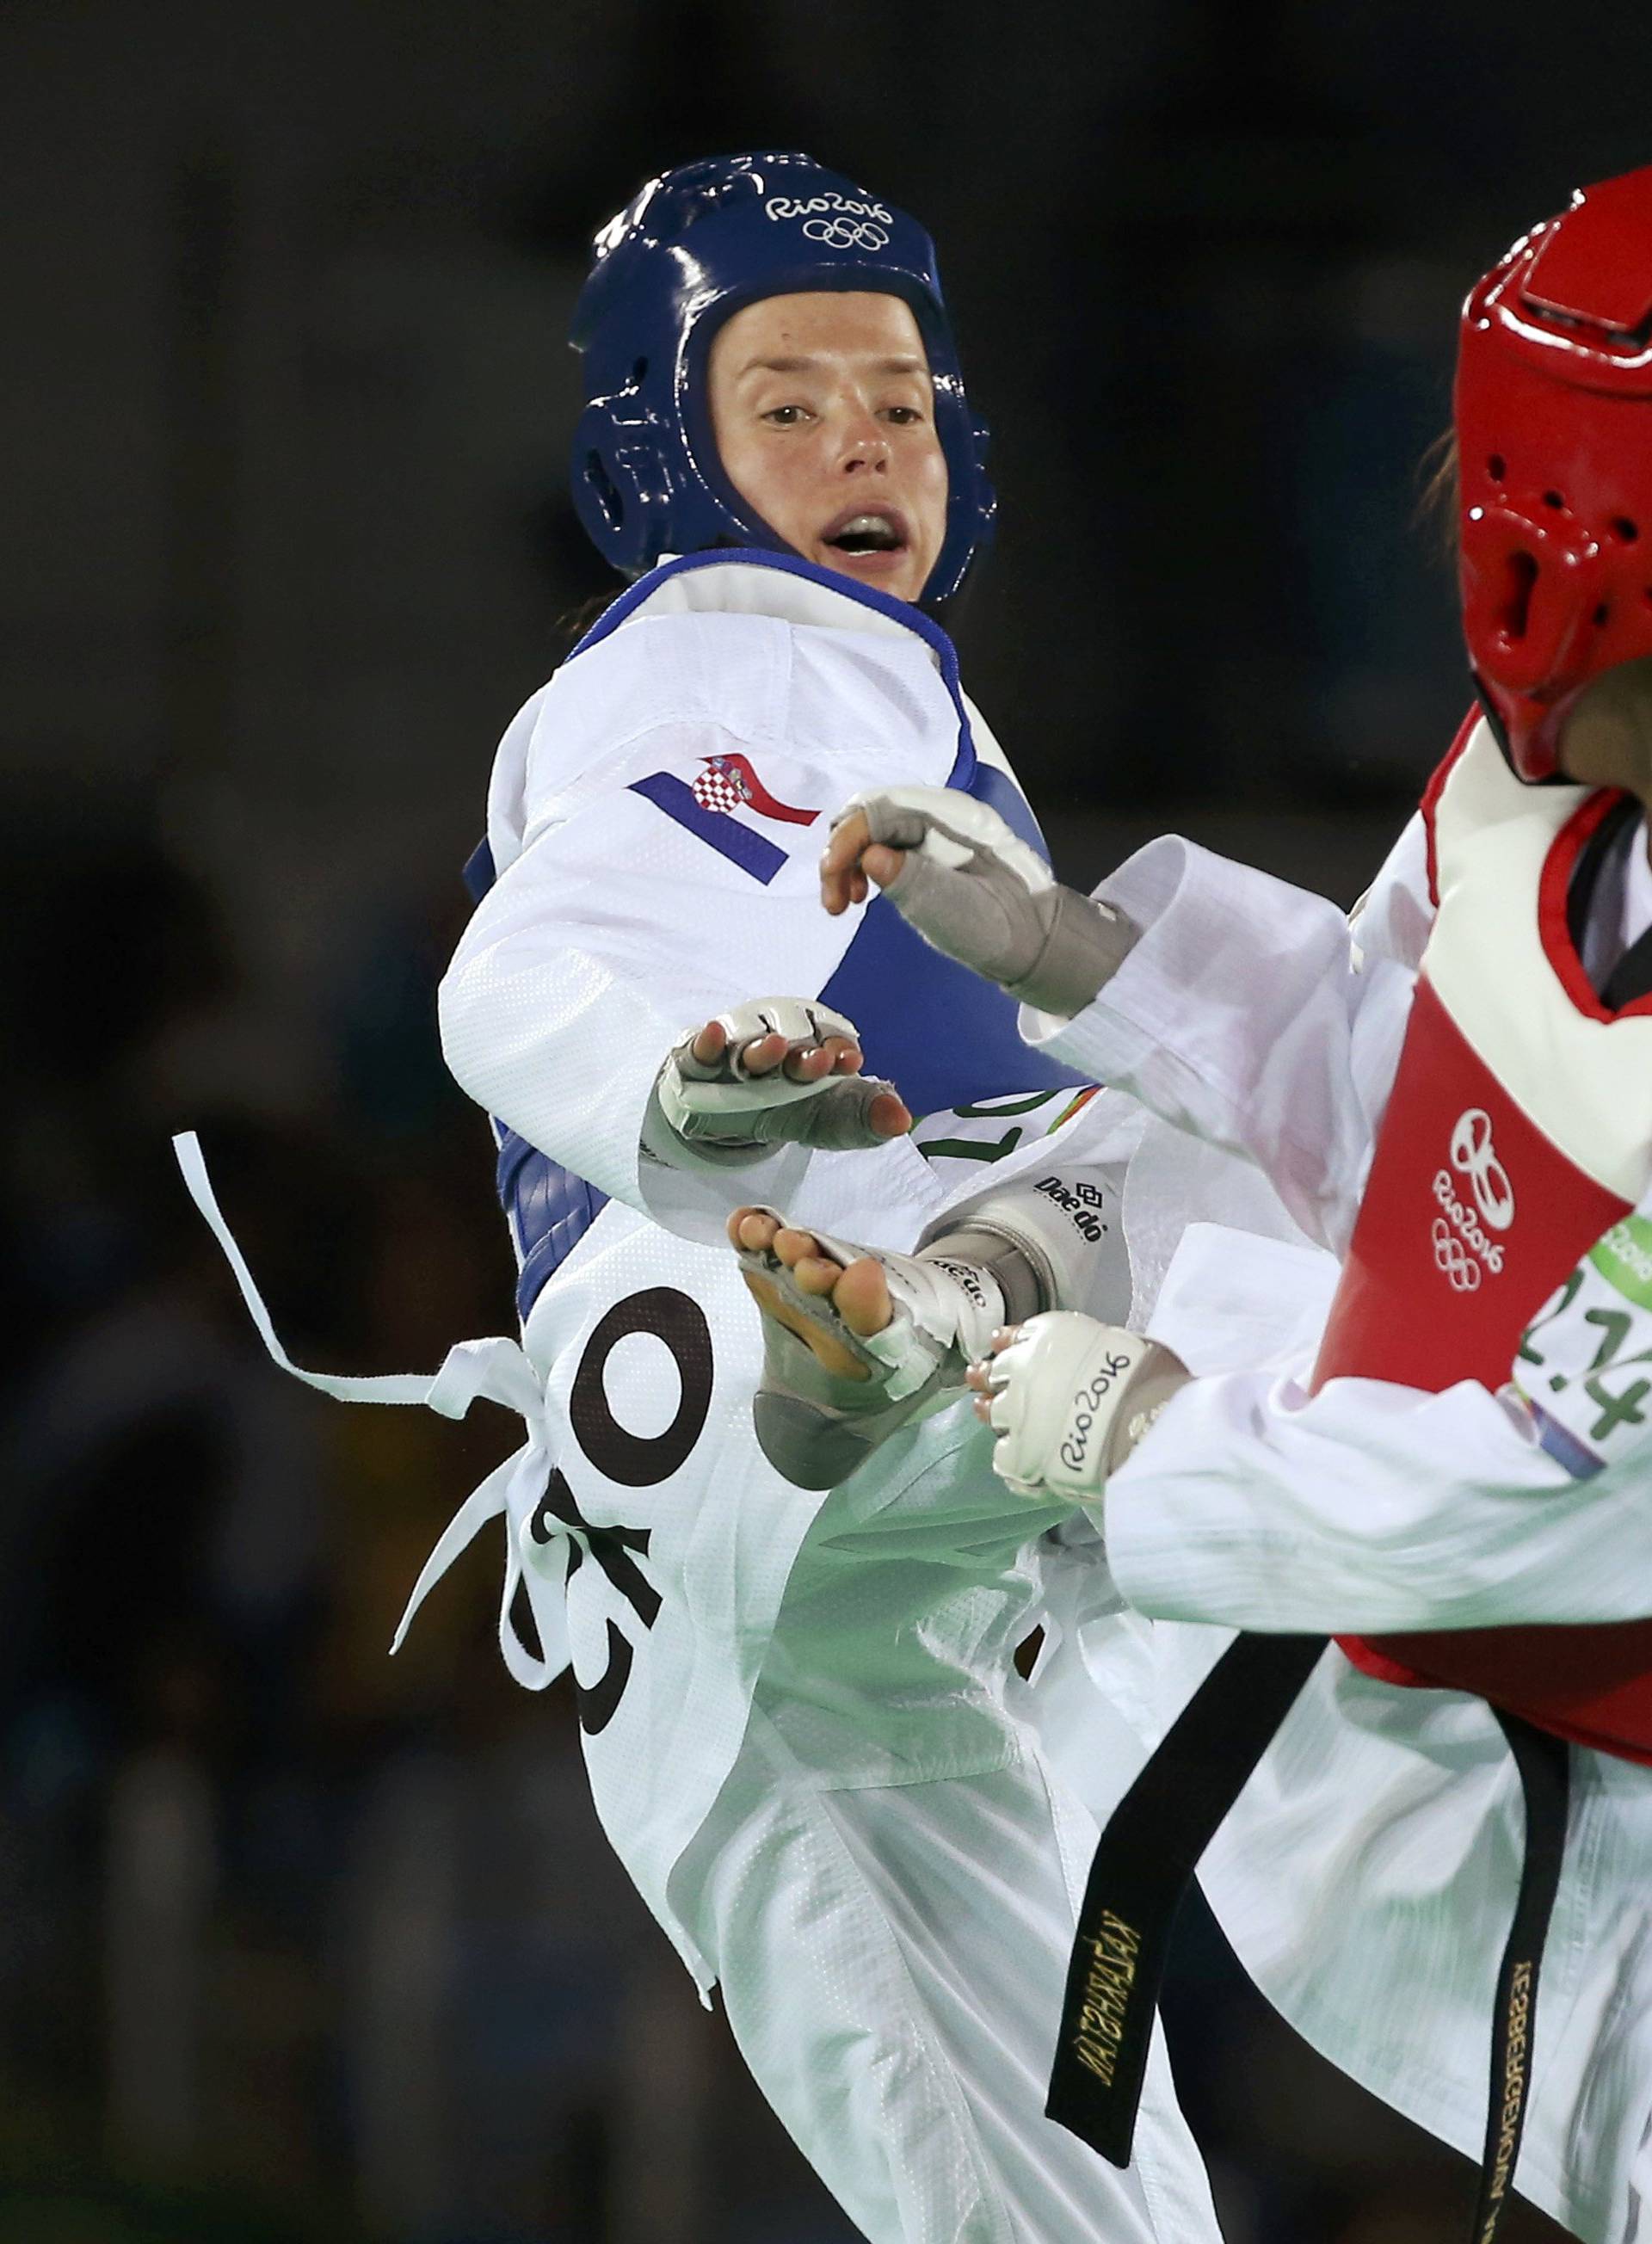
(871, 529)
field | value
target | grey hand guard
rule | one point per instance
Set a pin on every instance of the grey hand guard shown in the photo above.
(713, 1114)
(976, 891)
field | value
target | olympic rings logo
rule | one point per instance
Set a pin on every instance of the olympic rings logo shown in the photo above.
(1473, 1153)
(1454, 1258)
(846, 232)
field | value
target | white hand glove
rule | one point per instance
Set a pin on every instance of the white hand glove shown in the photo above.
(1070, 1398)
(712, 1113)
(976, 891)
(1583, 1369)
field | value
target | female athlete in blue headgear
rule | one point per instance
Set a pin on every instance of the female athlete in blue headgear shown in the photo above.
(795, 1704)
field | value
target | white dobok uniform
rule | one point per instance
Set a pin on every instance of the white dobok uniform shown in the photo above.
(799, 1709)
(1367, 1875)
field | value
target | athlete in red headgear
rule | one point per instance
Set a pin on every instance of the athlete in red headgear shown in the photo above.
(1554, 380)
(1453, 1096)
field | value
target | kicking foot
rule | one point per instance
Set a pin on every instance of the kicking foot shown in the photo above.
(855, 1345)
(856, 1294)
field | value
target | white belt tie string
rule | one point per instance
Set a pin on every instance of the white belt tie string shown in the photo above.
(495, 1370)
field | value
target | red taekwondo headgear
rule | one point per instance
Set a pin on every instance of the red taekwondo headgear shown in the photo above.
(1554, 420)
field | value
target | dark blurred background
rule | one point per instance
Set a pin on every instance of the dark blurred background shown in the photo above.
(295, 1942)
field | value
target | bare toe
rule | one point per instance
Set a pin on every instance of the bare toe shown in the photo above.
(754, 1228)
(793, 1246)
(862, 1298)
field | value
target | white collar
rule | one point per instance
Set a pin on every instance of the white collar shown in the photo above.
(754, 588)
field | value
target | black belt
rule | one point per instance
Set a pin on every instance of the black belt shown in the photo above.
(1146, 1861)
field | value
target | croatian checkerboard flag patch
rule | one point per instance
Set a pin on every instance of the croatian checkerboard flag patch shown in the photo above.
(729, 782)
(706, 805)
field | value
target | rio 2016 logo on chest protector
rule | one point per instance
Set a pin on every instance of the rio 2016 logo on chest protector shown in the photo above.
(840, 221)
(1461, 1246)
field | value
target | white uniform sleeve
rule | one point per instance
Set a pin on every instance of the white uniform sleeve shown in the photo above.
(630, 912)
(1251, 1014)
(1369, 1506)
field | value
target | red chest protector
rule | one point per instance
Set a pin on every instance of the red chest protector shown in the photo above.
(1519, 1128)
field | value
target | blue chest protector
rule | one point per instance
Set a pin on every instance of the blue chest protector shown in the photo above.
(941, 1035)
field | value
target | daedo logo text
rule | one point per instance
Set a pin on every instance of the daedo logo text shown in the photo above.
(966, 1279)
(1463, 1247)
(1080, 1201)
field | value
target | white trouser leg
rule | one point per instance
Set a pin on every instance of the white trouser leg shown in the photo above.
(893, 1960)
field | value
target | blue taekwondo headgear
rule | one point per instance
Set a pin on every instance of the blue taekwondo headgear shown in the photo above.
(683, 255)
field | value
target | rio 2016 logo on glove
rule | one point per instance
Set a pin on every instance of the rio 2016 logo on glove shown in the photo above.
(1096, 1401)
(1584, 1366)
